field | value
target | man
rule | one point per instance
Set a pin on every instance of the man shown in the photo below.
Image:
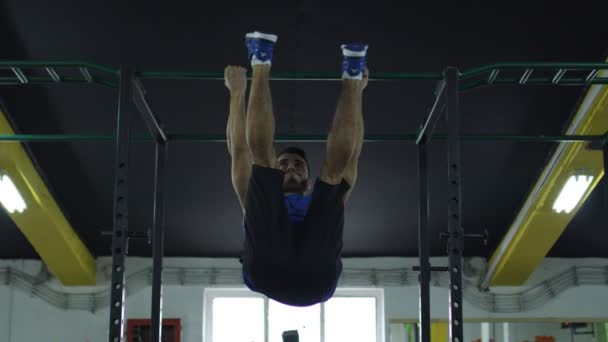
(293, 240)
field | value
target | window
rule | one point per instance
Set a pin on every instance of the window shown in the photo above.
(354, 315)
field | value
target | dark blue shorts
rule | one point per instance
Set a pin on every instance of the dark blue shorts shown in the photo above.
(299, 264)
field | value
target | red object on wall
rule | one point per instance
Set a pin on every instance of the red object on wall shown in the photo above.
(169, 324)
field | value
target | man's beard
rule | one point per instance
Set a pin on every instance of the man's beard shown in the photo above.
(292, 184)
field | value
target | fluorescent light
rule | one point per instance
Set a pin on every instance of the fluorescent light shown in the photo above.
(9, 195)
(571, 193)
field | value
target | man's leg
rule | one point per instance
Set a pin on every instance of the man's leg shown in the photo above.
(260, 118)
(346, 134)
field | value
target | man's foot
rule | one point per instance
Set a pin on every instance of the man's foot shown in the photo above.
(353, 65)
(259, 46)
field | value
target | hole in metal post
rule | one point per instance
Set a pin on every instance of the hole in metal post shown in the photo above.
(456, 304)
(455, 269)
(117, 286)
(118, 269)
(116, 304)
(116, 322)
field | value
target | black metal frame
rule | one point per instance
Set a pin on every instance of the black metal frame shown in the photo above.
(131, 89)
(446, 100)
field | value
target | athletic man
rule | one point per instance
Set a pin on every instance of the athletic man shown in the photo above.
(293, 240)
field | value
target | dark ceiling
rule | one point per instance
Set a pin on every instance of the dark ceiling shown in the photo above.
(202, 214)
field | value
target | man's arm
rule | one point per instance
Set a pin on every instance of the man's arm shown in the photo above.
(236, 82)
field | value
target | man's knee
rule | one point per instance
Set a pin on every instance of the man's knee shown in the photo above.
(262, 151)
(332, 172)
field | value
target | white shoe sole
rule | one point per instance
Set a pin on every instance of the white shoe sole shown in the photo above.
(267, 36)
(351, 53)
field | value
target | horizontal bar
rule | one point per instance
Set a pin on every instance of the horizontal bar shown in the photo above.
(41, 80)
(63, 64)
(534, 65)
(301, 137)
(573, 81)
(287, 76)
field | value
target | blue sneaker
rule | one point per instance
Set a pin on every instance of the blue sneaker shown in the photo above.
(353, 64)
(259, 45)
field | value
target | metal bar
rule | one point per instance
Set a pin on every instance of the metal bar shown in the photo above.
(424, 303)
(139, 98)
(86, 74)
(121, 212)
(287, 76)
(65, 64)
(524, 78)
(571, 81)
(533, 65)
(493, 76)
(455, 239)
(158, 243)
(558, 76)
(426, 132)
(54, 75)
(49, 80)
(311, 138)
(20, 75)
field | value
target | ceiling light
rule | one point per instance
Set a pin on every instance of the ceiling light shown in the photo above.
(9, 195)
(571, 193)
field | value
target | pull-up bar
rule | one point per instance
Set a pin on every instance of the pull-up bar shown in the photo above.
(491, 74)
(302, 138)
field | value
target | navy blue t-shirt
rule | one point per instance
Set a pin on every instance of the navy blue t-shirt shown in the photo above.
(297, 207)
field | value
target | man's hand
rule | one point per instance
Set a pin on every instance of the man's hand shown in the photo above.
(235, 78)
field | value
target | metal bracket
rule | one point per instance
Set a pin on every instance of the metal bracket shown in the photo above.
(484, 237)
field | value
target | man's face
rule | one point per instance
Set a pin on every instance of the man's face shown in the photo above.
(296, 172)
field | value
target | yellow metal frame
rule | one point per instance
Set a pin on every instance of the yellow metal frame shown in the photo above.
(43, 223)
(537, 227)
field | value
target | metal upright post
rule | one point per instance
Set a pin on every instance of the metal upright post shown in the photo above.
(158, 243)
(158, 239)
(424, 304)
(121, 214)
(455, 231)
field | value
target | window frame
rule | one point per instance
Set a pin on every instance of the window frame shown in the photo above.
(241, 292)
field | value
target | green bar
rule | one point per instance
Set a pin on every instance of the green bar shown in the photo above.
(287, 76)
(301, 137)
(534, 65)
(63, 137)
(565, 81)
(64, 64)
(49, 80)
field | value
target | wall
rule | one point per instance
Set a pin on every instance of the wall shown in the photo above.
(24, 317)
